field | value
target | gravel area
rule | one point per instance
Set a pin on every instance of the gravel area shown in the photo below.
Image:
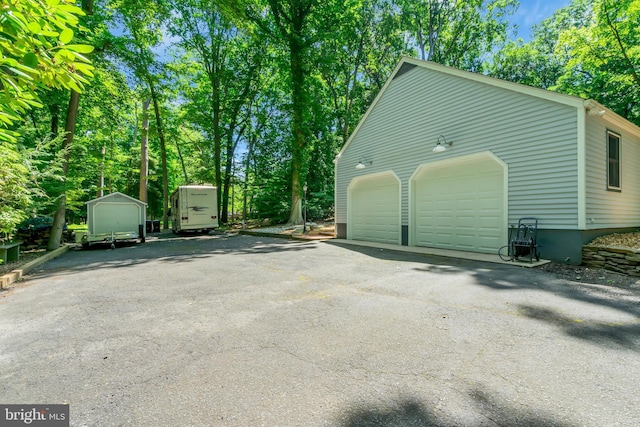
(582, 274)
(595, 276)
(626, 240)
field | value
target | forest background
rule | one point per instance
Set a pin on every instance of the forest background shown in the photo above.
(256, 97)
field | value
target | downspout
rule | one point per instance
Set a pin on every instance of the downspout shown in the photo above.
(582, 166)
(335, 194)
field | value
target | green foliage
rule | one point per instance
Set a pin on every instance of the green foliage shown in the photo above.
(536, 63)
(588, 49)
(526, 64)
(15, 197)
(319, 206)
(603, 57)
(268, 195)
(36, 51)
(25, 177)
(456, 33)
(259, 96)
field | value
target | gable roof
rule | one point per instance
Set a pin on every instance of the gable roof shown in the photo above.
(407, 64)
(114, 194)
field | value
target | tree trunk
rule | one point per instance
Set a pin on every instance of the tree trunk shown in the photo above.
(247, 170)
(59, 219)
(72, 113)
(110, 178)
(55, 119)
(217, 142)
(299, 106)
(144, 152)
(130, 181)
(163, 150)
(100, 190)
(224, 215)
(423, 55)
(184, 168)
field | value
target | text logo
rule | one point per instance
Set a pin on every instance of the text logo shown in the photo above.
(34, 415)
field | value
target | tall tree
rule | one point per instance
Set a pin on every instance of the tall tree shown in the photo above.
(59, 218)
(295, 26)
(36, 53)
(144, 151)
(587, 49)
(369, 43)
(456, 33)
(144, 21)
(537, 63)
(163, 151)
(231, 60)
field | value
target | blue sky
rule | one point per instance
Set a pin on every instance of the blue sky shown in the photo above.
(531, 12)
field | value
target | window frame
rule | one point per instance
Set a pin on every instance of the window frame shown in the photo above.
(614, 161)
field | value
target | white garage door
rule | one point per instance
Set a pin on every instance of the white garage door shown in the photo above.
(116, 217)
(374, 209)
(460, 206)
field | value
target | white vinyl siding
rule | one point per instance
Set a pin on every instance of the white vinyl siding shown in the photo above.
(605, 208)
(536, 137)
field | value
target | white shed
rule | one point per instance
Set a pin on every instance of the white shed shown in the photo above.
(504, 151)
(113, 217)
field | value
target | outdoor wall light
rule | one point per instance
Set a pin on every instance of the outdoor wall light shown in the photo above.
(362, 163)
(441, 145)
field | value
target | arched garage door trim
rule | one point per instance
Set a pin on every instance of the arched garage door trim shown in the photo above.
(466, 162)
(379, 180)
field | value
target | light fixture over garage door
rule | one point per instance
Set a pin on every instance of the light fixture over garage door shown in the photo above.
(442, 144)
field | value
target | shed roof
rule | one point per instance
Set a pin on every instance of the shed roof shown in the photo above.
(108, 196)
(406, 64)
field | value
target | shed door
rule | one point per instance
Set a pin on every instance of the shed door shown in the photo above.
(374, 209)
(116, 217)
(459, 206)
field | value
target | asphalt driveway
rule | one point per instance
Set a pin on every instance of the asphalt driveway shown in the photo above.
(229, 330)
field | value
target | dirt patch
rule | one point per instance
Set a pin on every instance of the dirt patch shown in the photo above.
(315, 230)
(25, 257)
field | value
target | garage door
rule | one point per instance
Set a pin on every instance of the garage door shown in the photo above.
(116, 217)
(459, 205)
(374, 209)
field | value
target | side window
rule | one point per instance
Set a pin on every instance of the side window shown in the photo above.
(613, 161)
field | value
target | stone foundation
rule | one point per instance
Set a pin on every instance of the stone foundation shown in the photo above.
(618, 259)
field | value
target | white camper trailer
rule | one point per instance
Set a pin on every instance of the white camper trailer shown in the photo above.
(114, 217)
(194, 207)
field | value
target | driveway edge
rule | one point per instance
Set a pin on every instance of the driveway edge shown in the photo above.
(16, 275)
(285, 236)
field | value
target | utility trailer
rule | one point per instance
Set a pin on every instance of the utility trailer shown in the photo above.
(114, 217)
(194, 208)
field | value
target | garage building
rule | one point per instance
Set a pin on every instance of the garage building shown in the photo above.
(449, 159)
